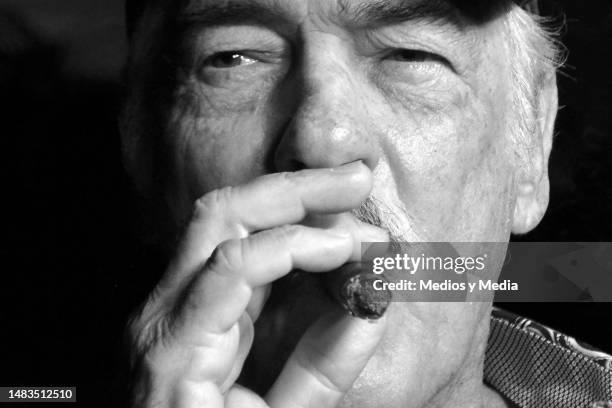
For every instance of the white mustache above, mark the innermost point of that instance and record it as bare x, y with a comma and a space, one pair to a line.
387, 215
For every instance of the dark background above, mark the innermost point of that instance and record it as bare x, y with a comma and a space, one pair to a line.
66, 283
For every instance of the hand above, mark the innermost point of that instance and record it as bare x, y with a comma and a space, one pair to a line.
191, 337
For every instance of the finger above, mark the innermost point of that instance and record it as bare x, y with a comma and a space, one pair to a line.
189, 394
221, 293
241, 397
195, 394
344, 223
326, 362
258, 299
247, 332
362, 233
208, 395
266, 202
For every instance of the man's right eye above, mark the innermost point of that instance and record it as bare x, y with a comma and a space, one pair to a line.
228, 59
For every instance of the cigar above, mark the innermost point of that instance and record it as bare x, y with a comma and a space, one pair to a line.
353, 288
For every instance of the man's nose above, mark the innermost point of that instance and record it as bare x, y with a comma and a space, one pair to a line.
330, 125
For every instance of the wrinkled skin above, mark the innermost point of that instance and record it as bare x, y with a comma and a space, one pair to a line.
318, 91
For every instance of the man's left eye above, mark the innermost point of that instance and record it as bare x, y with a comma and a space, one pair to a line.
228, 59
416, 56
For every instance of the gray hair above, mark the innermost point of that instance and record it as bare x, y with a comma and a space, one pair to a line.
535, 47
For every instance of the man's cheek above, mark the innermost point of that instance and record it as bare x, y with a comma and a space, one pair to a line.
214, 147
230, 150
464, 139
198, 99
449, 165
435, 146
471, 203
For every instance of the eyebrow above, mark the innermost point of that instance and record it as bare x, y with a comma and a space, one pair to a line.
236, 12
385, 12
366, 14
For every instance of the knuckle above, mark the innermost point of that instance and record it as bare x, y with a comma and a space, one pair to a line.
150, 325
140, 319
289, 233
146, 333
229, 256
213, 202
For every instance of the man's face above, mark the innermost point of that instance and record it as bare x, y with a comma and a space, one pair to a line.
281, 85
417, 91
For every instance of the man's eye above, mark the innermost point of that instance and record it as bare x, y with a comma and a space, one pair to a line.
416, 56
228, 59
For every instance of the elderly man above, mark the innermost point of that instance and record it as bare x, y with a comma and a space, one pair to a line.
275, 135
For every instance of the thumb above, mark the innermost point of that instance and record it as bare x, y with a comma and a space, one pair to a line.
326, 362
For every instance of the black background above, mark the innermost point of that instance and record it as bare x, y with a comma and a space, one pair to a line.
66, 284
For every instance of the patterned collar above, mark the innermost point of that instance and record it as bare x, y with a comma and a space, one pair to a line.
534, 366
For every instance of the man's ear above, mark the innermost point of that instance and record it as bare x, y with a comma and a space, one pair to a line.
533, 188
